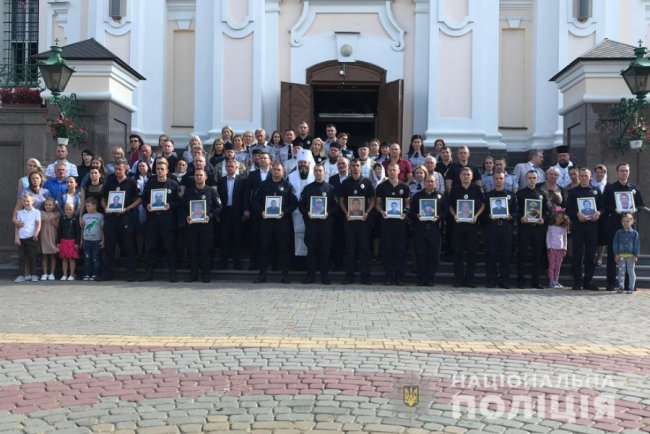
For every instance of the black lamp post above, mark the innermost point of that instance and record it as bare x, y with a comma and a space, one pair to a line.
637, 75
56, 73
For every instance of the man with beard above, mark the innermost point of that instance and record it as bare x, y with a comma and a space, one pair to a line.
332, 159
318, 228
275, 231
299, 179
563, 165
292, 163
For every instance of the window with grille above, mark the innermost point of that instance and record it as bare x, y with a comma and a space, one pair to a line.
20, 42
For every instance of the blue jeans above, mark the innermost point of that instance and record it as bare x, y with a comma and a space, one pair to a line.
92, 258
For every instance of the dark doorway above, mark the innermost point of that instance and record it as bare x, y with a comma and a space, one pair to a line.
353, 96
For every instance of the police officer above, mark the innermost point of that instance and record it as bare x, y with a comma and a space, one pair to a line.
161, 223
359, 192
584, 231
499, 229
393, 226
317, 204
532, 233
251, 209
118, 224
200, 230
427, 227
465, 226
276, 231
613, 216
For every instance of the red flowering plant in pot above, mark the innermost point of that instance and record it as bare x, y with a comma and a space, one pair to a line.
65, 130
20, 95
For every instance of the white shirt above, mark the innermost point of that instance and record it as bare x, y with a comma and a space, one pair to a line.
72, 169
565, 180
29, 219
230, 185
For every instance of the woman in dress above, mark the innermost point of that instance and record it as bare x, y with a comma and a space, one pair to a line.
93, 188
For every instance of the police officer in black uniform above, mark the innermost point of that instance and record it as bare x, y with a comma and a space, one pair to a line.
200, 232
318, 224
161, 223
613, 216
427, 229
118, 225
465, 232
531, 233
276, 231
498, 232
393, 226
357, 232
584, 230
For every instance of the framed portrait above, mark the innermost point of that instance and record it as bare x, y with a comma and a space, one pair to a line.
394, 207
624, 201
465, 210
587, 206
273, 207
116, 201
158, 199
428, 209
533, 210
499, 207
356, 207
198, 212
318, 207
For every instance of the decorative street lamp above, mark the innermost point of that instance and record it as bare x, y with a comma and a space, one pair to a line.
56, 73
637, 75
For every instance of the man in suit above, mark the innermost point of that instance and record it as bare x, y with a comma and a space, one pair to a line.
536, 158
253, 184
338, 218
499, 209
231, 188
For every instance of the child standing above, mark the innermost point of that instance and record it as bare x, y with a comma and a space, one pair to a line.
68, 241
626, 247
49, 227
556, 243
92, 240
28, 227
71, 195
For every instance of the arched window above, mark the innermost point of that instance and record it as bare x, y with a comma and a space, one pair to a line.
582, 10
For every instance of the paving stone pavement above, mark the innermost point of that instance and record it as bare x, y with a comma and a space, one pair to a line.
232, 357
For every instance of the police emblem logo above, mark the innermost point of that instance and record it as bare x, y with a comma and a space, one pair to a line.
633, 191
411, 395
355, 192
401, 191
281, 189
541, 197
324, 194
169, 190
203, 196
508, 197
363, 186
466, 197
117, 188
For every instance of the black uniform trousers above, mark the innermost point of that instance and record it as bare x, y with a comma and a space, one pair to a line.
161, 229
356, 243
199, 244
275, 234
318, 238
230, 234
426, 236
119, 228
533, 236
585, 240
338, 243
393, 248
254, 241
498, 239
465, 248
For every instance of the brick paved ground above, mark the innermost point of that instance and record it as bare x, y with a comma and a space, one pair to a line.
267, 359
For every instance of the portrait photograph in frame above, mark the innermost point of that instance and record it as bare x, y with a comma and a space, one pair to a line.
465, 210
587, 206
115, 201
394, 207
499, 207
158, 199
198, 211
356, 207
533, 210
428, 209
318, 207
624, 201
273, 207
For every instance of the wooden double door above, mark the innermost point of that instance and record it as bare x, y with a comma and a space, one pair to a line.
353, 96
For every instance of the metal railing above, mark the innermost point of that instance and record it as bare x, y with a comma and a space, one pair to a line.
12, 75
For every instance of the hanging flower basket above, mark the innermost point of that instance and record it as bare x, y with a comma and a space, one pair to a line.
64, 130
636, 144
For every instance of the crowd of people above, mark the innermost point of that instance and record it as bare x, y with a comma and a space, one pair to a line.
291, 195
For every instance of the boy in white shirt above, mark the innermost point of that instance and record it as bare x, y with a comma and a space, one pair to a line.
27, 229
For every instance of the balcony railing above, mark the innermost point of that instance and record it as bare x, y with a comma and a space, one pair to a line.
12, 75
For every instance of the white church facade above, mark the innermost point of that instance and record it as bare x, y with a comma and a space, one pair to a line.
473, 72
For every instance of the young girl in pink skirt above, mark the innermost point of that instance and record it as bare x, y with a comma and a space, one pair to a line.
68, 241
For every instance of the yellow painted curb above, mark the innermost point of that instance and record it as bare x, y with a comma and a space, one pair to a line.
325, 343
